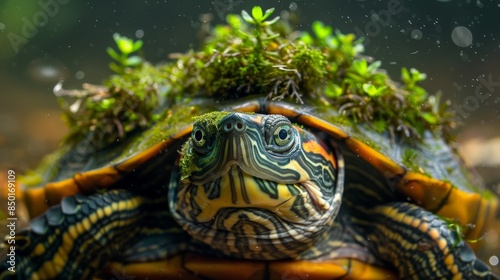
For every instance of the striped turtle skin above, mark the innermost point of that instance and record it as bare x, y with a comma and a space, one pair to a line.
255, 190
255, 186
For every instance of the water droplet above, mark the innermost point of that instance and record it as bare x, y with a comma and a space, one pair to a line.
293, 6
461, 36
493, 260
416, 34
79, 75
139, 33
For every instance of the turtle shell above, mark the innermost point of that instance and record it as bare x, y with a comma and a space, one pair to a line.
429, 174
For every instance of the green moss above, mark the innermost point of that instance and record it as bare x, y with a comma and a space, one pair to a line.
187, 162
410, 160
210, 122
255, 56
170, 122
124, 104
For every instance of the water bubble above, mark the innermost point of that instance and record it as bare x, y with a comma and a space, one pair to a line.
416, 34
461, 36
293, 6
139, 33
493, 260
79, 75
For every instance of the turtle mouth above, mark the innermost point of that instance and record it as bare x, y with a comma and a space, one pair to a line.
294, 202
245, 175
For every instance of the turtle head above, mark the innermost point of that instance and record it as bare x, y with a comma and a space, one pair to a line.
255, 186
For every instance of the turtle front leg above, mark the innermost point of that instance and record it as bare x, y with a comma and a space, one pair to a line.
420, 245
74, 239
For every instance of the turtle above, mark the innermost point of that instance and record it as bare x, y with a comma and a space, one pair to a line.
255, 189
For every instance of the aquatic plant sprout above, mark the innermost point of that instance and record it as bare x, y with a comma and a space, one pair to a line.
126, 46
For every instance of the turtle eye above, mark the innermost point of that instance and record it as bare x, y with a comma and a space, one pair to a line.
279, 134
199, 137
283, 135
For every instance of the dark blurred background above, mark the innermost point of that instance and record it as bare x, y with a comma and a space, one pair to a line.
456, 42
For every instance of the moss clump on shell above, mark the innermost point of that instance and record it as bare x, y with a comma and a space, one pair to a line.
255, 56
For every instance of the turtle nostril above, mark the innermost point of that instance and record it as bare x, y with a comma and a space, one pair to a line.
228, 126
233, 123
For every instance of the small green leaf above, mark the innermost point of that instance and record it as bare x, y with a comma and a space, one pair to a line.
306, 38
333, 90
125, 45
378, 78
270, 22
133, 61
113, 54
243, 33
405, 75
116, 37
321, 30
370, 89
137, 45
115, 68
234, 21
247, 17
257, 14
374, 66
332, 42
417, 76
361, 66
267, 13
